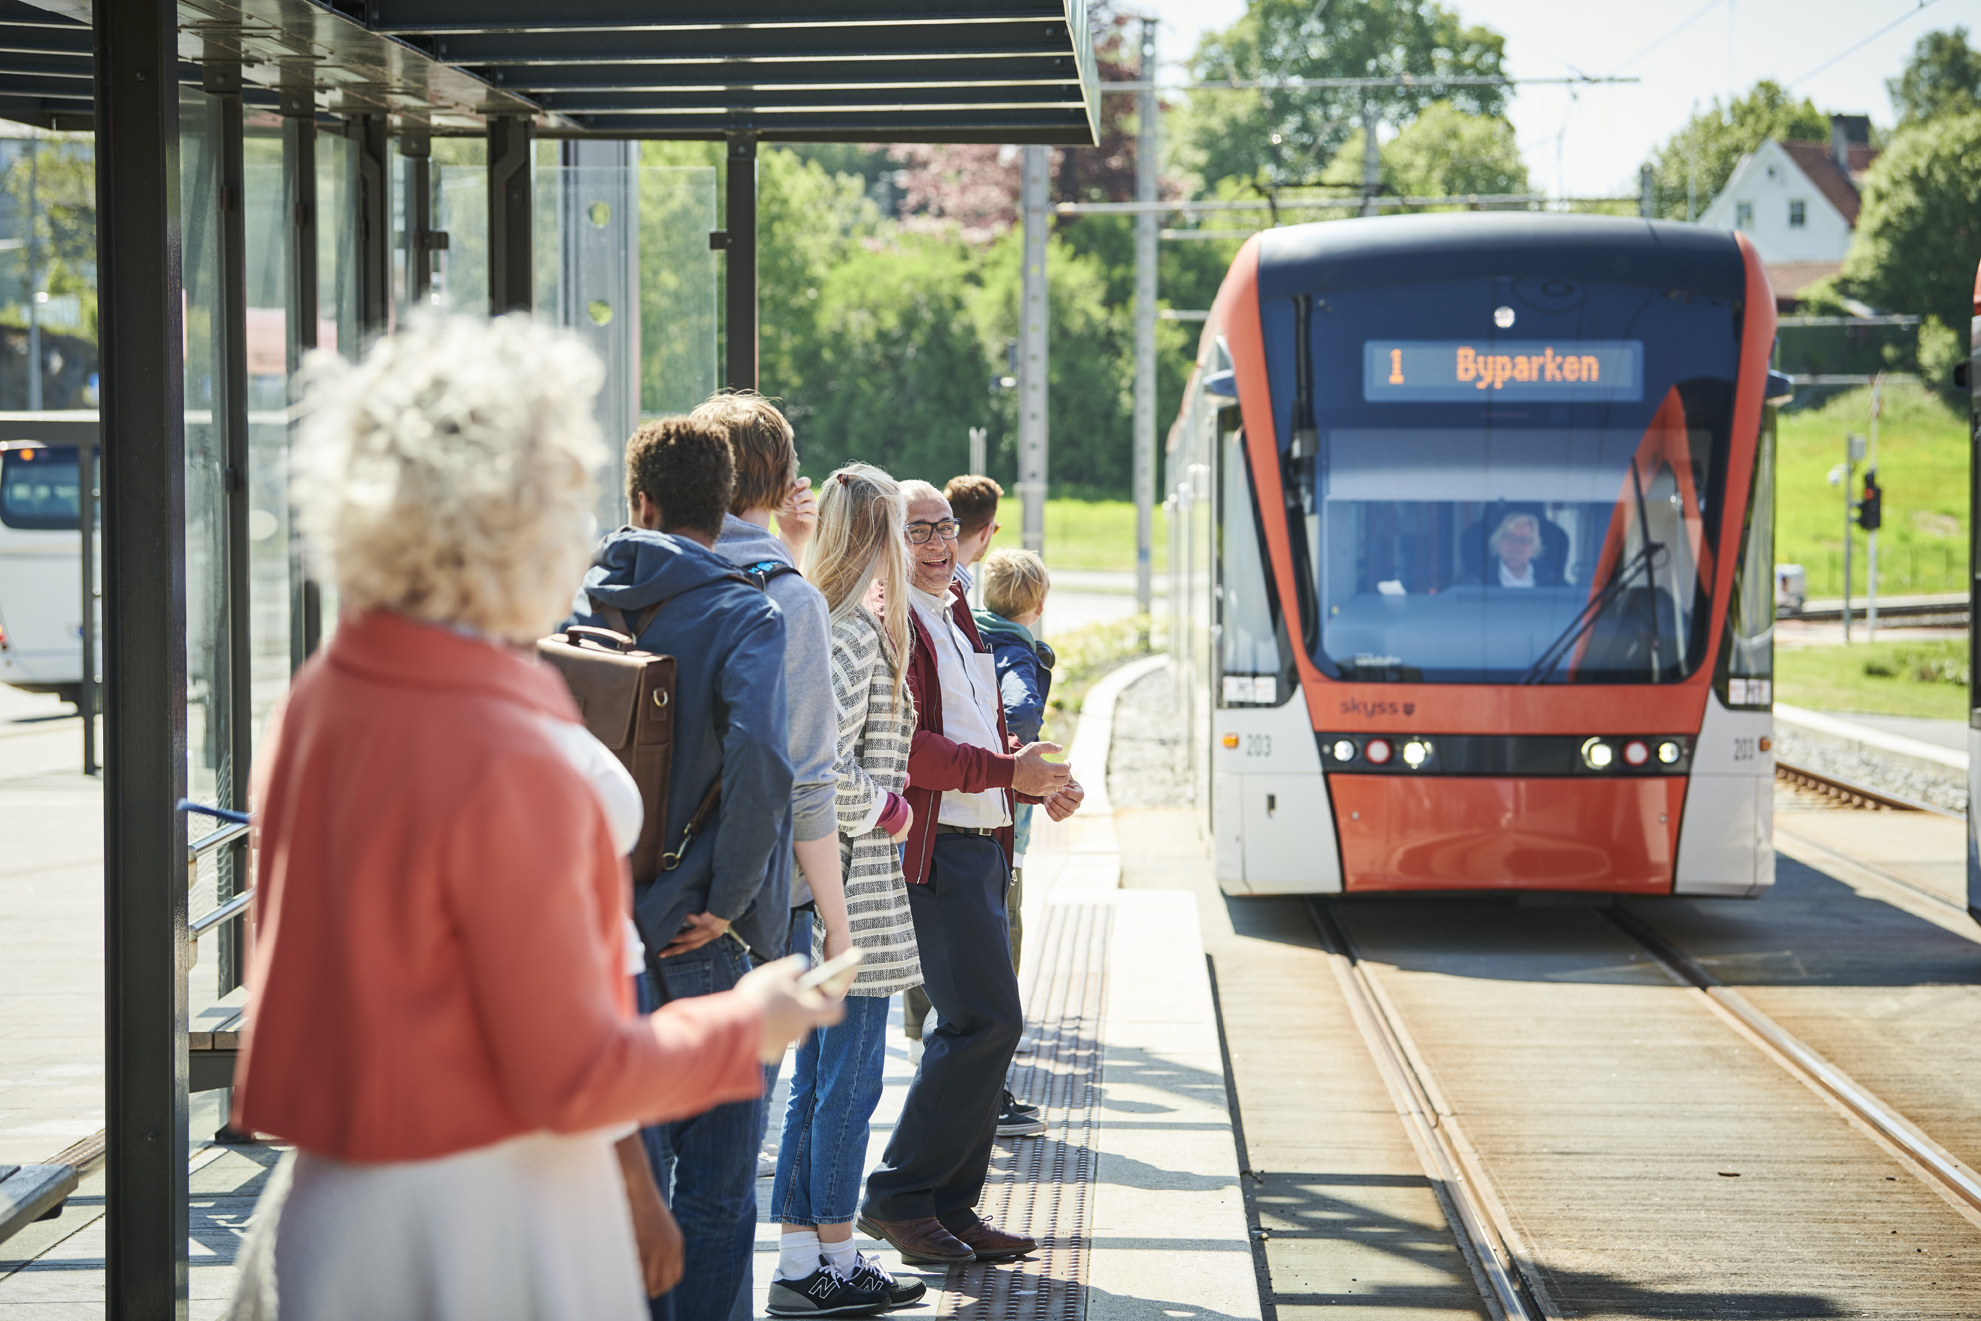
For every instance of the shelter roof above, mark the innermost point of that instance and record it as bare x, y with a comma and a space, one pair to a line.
1013, 71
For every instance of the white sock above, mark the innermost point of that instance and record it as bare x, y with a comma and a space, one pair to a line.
797, 1255
840, 1255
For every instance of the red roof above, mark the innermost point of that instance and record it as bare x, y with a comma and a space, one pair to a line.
1815, 161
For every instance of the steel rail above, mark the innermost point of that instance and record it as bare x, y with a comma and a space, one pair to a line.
1483, 1233
1935, 1166
1836, 787
1877, 872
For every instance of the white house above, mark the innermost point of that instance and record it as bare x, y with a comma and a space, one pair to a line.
1797, 202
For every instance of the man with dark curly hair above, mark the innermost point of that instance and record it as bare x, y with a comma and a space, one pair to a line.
662, 581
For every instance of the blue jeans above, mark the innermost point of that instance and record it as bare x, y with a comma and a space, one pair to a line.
707, 1165
835, 1085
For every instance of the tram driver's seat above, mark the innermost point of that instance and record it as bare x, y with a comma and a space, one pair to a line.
1477, 564
1622, 638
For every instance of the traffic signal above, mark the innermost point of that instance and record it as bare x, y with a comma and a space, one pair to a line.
1871, 510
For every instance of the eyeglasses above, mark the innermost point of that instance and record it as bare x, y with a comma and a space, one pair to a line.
920, 533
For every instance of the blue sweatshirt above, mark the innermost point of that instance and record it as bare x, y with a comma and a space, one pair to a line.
1024, 682
727, 640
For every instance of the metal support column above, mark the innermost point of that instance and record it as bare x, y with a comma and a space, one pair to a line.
221, 80
511, 265
416, 149
1032, 364
1372, 164
144, 488
374, 227
1647, 193
739, 283
299, 194
1147, 165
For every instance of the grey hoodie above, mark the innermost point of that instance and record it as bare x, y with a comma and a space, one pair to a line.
814, 719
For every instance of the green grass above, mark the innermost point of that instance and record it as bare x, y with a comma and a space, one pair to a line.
1086, 534
1922, 465
1880, 678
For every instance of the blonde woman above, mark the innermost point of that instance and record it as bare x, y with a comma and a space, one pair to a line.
822, 1158
443, 1026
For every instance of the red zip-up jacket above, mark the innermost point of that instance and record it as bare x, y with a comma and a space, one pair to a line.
937, 764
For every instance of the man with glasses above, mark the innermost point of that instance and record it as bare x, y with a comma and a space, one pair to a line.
962, 778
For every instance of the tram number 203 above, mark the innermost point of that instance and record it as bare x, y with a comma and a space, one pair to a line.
1744, 749
1258, 745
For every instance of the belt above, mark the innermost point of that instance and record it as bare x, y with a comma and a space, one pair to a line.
944, 828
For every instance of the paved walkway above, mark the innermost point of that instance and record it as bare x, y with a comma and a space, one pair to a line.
1133, 1192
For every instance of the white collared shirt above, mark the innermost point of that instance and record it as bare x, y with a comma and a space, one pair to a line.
970, 703
1507, 578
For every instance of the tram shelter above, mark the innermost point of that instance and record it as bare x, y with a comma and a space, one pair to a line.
275, 176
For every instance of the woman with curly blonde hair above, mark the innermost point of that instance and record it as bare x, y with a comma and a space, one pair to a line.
836, 1082
443, 1025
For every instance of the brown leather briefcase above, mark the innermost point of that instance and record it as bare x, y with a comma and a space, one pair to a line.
626, 697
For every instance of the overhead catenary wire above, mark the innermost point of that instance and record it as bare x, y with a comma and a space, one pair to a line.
1853, 49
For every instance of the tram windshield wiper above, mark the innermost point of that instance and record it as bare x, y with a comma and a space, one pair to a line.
1586, 618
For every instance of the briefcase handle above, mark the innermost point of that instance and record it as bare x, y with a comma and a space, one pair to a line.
605, 637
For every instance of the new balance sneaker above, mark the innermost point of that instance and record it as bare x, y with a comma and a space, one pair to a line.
867, 1273
1012, 1122
824, 1293
1022, 1107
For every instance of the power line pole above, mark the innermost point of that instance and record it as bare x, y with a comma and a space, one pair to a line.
1032, 313
1147, 152
1372, 166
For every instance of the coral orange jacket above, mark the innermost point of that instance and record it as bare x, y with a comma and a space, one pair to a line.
439, 956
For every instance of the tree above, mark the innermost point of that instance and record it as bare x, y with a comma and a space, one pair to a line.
1696, 162
1288, 135
1444, 152
1918, 235
1942, 77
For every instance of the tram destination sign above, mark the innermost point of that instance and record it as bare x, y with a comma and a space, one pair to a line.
1433, 371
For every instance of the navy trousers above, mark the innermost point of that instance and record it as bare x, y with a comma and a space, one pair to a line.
940, 1152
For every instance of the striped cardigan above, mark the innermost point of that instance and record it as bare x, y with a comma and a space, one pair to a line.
874, 731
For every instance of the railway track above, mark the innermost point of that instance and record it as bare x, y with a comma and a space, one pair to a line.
1503, 1264
1852, 793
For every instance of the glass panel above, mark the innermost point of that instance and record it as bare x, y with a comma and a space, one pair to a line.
1751, 622
210, 770
48, 298
268, 286
336, 251
1524, 521
1250, 648
677, 289
460, 210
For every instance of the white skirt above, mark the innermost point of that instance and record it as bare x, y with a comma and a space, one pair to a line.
532, 1229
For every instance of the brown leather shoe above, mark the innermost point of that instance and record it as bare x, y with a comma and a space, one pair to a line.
993, 1244
922, 1241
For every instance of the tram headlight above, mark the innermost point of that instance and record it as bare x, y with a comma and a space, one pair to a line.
1597, 755
1669, 752
1635, 753
1377, 751
1416, 752
1343, 749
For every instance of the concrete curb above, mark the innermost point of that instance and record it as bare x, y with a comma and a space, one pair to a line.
1863, 739
1095, 736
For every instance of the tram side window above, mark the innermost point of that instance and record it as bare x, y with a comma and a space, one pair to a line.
40, 488
1748, 677
1249, 644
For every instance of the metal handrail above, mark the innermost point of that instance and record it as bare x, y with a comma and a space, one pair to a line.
239, 824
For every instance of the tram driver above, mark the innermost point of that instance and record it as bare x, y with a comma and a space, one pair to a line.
1517, 555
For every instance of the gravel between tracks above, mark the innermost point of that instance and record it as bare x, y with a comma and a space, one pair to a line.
1147, 763
1869, 769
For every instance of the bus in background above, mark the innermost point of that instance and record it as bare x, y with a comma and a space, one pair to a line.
1472, 558
41, 597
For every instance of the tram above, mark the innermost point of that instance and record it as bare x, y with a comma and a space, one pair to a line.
1471, 558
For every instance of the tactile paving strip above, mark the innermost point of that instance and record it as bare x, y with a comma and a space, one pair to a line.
1042, 1186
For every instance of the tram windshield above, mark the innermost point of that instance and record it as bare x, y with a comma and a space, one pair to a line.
1538, 503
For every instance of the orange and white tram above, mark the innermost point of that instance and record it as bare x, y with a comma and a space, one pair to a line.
1471, 558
